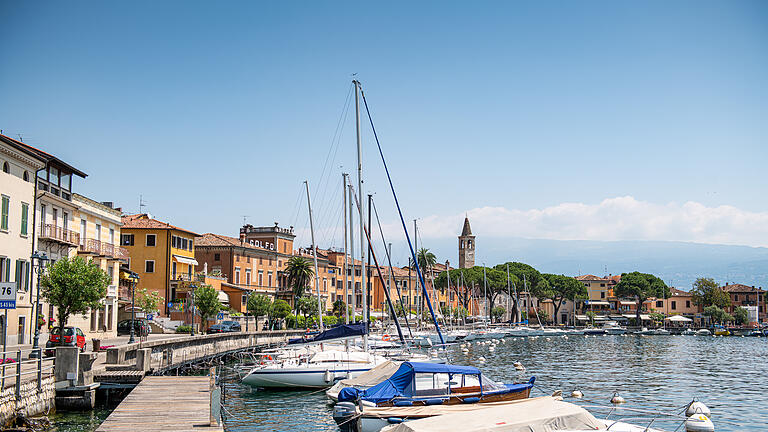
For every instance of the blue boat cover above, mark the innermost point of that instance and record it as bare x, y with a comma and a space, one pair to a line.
340, 331
399, 384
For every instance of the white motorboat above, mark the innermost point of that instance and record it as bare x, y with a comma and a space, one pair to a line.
703, 332
688, 332
614, 328
320, 370
653, 332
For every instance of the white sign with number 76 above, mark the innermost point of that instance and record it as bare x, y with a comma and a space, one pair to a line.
7, 295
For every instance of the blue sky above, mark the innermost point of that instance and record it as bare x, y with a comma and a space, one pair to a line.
529, 116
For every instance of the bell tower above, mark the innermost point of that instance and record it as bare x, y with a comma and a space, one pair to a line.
466, 246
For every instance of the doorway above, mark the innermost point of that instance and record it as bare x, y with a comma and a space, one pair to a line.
22, 324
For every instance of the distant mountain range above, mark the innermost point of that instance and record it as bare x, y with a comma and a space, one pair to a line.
677, 263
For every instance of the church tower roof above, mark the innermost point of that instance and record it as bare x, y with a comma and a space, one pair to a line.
466, 231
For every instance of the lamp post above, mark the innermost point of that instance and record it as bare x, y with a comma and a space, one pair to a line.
247, 299
193, 287
39, 269
134, 278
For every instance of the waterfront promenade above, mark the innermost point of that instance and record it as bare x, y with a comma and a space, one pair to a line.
165, 404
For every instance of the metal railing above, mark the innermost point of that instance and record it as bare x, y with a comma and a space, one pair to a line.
99, 247
50, 231
24, 370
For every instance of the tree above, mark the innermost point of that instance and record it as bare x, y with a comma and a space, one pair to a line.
258, 306
656, 317
279, 309
498, 312
591, 315
339, 308
74, 287
543, 315
307, 305
562, 288
148, 301
300, 273
741, 315
641, 286
706, 292
717, 315
463, 282
207, 302
527, 278
426, 260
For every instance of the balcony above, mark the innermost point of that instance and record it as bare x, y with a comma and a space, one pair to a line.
96, 247
58, 234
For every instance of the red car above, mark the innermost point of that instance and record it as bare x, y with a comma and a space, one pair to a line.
73, 336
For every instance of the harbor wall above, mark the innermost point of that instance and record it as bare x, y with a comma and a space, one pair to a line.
31, 401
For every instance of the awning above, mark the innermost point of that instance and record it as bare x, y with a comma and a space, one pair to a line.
185, 260
643, 317
581, 318
598, 303
223, 297
678, 318
627, 303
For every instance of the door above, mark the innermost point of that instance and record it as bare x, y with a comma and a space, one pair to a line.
22, 325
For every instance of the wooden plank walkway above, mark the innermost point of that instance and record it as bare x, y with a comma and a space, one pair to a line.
164, 404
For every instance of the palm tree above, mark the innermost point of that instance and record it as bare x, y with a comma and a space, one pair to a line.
426, 260
300, 272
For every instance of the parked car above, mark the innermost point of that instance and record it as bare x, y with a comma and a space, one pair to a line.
140, 327
218, 328
73, 336
233, 326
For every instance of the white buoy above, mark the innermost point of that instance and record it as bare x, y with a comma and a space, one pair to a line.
696, 407
549, 339
577, 394
491, 349
519, 366
699, 423
481, 359
616, 399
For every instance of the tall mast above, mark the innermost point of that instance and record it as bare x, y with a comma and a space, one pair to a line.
370, 252
448, 293
344, 265
509, 293
314, 255
362, 221
416, 246
485, 295
352, 255
389, 280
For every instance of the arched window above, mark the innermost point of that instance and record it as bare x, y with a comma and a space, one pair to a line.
26, 176
6, 169
469, 244
462, 243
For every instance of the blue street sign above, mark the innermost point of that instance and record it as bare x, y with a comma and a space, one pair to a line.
220, 316
7, 304
149, 317
170, 305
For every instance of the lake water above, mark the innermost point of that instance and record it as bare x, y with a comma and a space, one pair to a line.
663, 373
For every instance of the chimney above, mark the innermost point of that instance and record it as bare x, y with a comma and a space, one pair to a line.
109, 204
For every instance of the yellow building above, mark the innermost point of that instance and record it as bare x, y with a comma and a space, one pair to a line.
161, 254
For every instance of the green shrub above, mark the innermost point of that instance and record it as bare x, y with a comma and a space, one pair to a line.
184, 329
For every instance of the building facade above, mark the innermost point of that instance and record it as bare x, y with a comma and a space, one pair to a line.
18, 165
747, 297
161, 254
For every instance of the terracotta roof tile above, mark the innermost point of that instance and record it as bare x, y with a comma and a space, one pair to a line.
143, 221
740, 288
590, 277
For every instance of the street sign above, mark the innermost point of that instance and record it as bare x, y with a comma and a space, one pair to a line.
149, 317
220, 316
8, 295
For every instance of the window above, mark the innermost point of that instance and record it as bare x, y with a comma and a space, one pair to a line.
217, 257
602, 294
261, 277
659, 303
5, 271
22, 270
325, 284
151, 239
111, 273
4, 213
244, 299
6, 169
602, 285
24, 218
42, 215
26, 176
735, 297
248, 277
98, 231
191, 247
184, 243
173, 270
173, 241
687, 303
126, 239
112, 236
82, 231
674, 305
149, 266
269, 279
237, 275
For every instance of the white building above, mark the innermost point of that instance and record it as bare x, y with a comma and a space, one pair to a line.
18, 165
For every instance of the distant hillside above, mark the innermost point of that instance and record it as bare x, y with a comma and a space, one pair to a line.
678, 263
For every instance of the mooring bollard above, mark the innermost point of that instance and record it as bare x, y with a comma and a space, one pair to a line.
18, 374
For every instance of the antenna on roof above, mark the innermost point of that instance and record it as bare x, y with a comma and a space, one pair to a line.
142, 204
245, 217
20, 137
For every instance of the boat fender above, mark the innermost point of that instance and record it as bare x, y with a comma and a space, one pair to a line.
394, 420
616, 399
481, 359
385, 338
434, 401
470, 400
699, 423
491, 349
577, 394
403, 403
696, 407
327, 376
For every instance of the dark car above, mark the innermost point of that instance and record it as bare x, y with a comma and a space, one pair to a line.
73, 336
218, 328
140, 327
233, 326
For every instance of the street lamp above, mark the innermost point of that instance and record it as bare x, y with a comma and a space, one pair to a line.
39, 269
134, 278
192, 309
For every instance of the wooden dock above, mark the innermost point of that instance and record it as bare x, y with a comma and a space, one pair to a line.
164, 404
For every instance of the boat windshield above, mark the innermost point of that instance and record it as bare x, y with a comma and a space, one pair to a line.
428, 382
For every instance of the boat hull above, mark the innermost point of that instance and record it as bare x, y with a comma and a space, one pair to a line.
308, 377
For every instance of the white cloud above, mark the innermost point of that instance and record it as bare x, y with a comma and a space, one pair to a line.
620, 218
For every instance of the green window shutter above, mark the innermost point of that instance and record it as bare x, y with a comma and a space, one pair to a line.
26, 279
7, 269
4, 215
19, 267
24, 218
